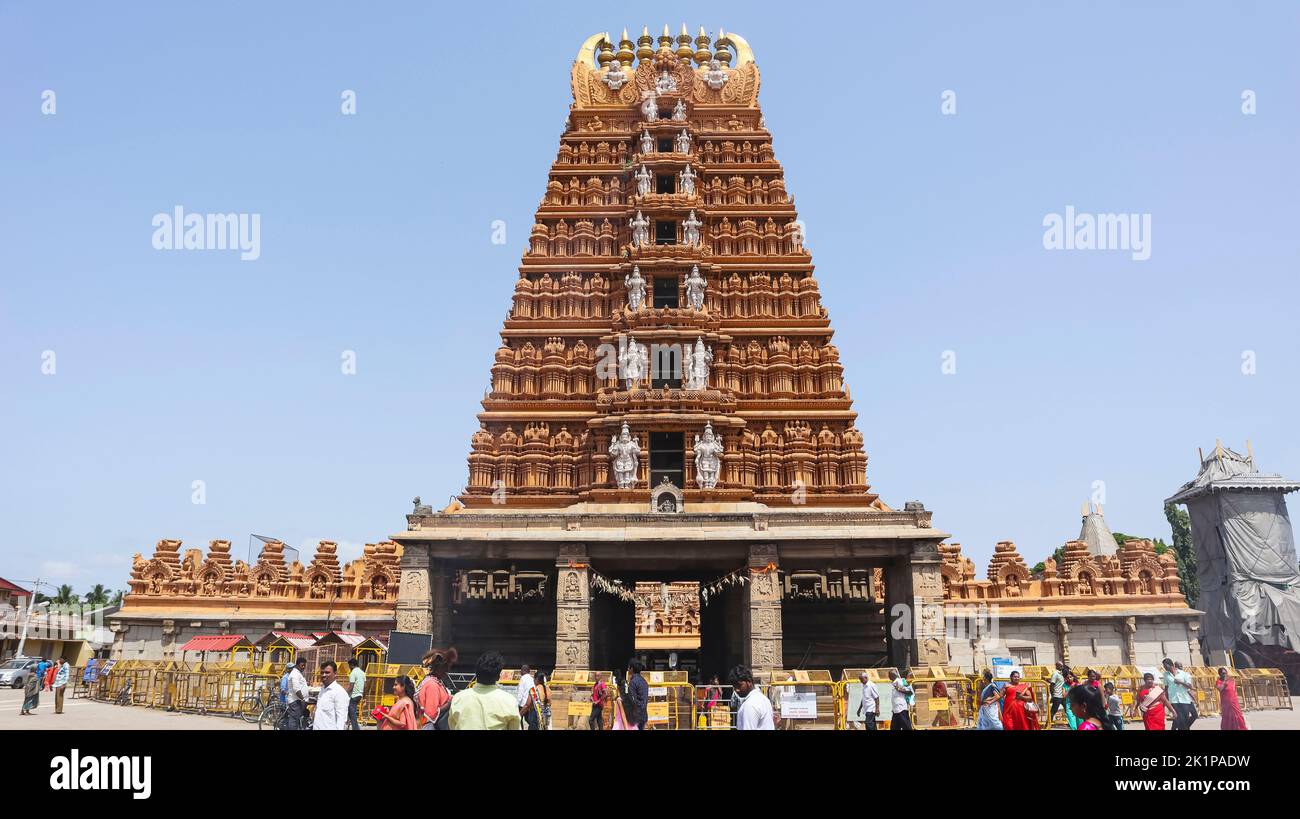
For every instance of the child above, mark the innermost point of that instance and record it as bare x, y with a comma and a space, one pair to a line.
1114, 708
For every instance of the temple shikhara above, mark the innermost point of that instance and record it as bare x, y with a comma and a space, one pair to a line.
668, 462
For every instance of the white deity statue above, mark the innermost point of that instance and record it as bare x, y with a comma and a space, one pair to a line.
692, 229
695, 285
650, 106
679, 111
643, 181
708, 458
633, 362
640, 230
647, 143
715, 76
688, 181
624, 458
635, 285
695, 364
666, 82
616, 77
683, 142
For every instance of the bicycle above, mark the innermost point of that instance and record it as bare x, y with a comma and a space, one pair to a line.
250, 710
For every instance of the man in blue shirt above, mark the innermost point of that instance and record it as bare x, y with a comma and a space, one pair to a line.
638, 691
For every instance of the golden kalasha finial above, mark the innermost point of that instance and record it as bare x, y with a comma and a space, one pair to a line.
666, 39
645, 43
684, 44
626, 54
720, 53
702, 53
606, 51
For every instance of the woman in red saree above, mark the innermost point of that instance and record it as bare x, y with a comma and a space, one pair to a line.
1229, 705
1014, 697
1151, 702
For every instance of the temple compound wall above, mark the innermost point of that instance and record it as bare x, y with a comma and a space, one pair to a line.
1124, 608
174, 597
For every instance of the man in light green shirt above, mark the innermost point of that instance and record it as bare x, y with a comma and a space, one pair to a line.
484, 706
1178, 687
356, 690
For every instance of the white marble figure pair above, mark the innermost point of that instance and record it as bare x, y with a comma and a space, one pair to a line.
625, 458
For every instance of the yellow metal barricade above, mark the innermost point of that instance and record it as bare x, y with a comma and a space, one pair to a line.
571, 705
1204, 689
1127, 680
671, 704
1262, 688
943, 700
803, 700
713, 708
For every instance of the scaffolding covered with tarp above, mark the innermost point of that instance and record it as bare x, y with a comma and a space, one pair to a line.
1245, 553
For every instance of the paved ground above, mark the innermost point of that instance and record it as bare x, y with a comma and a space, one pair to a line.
89, 715
82, 715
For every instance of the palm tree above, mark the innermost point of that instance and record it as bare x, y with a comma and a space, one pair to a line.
117, 598
98, 596
65, 595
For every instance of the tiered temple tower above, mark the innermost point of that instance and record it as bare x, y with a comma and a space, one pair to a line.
666, 366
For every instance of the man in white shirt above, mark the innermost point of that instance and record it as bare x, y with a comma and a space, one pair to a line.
297, 713
524, 698
901, 719
869, 707
755, 712
332, 704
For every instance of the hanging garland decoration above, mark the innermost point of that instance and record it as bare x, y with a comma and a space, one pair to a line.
603, 585
738, 577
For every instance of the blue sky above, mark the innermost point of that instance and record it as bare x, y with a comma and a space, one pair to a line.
926, 229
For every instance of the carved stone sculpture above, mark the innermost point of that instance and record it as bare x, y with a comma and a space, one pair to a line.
635, 285
625, 458
650, 106
647, 143
692, 230
683, 142
695, 287
715, 77
633, 363
679, 111
616, 77
696, 365
640, 230
688, 181
708, 458
643, 181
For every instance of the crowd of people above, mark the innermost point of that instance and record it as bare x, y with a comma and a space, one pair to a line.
1091, 705
622, 703
49, 675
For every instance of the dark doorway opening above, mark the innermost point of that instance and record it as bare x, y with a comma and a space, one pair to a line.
667, 458
665, 371
666, 291
665, 145
665, 183
665, 232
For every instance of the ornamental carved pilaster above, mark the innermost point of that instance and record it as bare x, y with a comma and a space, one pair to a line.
763, 613
572, 608
414, 609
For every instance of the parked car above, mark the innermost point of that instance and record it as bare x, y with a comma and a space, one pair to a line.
15, 672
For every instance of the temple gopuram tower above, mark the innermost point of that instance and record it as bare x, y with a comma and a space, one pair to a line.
667, 408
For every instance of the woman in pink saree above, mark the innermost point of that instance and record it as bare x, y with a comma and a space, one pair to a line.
1229, 705
620, 721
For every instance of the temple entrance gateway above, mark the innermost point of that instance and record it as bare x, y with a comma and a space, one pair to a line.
708, 495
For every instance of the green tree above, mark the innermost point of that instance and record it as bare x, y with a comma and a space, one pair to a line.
117, 598
1037, 571
65, 595
1184, 551
97, 596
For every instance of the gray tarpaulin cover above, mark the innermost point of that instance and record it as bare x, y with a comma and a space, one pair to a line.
1245, 553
